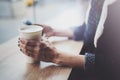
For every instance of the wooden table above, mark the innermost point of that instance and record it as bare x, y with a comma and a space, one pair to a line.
13, 64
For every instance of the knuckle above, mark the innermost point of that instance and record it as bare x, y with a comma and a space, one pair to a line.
27, 42
37, 49
25, 51
38, 43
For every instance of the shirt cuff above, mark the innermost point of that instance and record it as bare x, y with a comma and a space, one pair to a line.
89, 62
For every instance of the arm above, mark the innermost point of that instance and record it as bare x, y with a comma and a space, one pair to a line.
70, 60
64, 33
86, 62
44, 51
71, 33
49, 31
92, 22
76, 33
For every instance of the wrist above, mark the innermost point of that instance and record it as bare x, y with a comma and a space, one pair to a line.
57, 58
54, 32
70, 60
61, 58
71, 34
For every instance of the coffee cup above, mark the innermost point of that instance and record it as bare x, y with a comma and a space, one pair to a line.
31, 32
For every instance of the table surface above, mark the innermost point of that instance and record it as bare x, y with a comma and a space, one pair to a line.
13, 64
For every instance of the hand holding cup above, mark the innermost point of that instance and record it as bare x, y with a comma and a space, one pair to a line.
39, 50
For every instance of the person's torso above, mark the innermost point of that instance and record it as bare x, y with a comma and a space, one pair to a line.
108, 51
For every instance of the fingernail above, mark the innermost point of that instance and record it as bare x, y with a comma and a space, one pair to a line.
20, 49
18, 45
18, 41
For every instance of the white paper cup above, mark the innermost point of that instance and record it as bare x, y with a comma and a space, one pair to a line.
31, 32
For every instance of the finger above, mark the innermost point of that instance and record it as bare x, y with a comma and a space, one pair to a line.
30, 54
49, 34
42, 25
31, 42
21, 45
23, 41
27, 52
45, 27
47, 43
29, 48
32, 49
43, 45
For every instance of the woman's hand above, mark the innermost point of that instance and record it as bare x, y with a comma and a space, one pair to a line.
43, 51
49, 31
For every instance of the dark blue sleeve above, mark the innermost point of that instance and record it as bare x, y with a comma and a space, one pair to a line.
78, 32
92, 20
87, 31
90, 30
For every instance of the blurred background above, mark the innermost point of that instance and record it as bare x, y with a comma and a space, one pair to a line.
56, 13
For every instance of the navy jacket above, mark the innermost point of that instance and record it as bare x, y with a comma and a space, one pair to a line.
107, 61
87, 31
